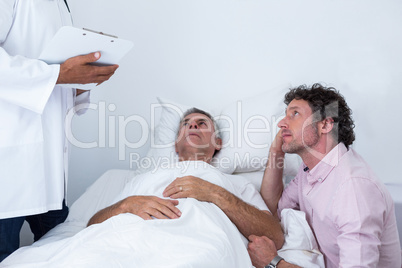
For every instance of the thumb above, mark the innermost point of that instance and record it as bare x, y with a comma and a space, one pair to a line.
251, 238
92, 57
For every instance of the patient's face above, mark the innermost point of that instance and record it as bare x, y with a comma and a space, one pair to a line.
196, 135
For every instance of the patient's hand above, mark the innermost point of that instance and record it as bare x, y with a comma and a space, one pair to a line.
145, 207
150, 206
247, 218
262, 250
194, 187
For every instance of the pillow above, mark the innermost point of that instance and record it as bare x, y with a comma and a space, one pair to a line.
300, 246
247, 130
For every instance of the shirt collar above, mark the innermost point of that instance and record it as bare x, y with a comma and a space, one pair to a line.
320, 172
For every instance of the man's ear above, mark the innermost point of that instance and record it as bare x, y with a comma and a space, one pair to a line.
327, 125
175, 147
218, 144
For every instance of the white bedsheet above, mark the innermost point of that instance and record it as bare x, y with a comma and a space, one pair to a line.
202, 237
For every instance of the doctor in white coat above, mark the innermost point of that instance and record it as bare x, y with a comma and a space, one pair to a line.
33, 106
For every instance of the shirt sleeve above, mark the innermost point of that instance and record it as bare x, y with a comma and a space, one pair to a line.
24, 82
358, 212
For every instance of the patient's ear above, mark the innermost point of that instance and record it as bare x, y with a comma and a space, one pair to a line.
218, 144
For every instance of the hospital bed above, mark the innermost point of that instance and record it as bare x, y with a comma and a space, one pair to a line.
246, 160
58, 247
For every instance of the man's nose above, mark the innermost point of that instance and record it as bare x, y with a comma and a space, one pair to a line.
193, 125
283, 123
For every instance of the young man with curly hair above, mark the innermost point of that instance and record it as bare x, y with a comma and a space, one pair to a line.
349, 210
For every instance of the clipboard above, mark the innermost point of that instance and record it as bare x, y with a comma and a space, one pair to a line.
70, 42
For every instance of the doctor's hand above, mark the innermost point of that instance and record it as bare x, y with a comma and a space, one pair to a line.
194, 187
78, 70
147, 207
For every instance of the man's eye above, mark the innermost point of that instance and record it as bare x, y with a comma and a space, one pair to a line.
293, 114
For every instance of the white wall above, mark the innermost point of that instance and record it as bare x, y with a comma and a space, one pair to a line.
217, 51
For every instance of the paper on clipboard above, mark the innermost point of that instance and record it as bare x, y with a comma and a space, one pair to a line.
70, 42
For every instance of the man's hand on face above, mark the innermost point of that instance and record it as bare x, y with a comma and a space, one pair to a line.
276, 146
147, 207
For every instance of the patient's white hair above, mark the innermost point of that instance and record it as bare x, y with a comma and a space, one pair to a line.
198, 111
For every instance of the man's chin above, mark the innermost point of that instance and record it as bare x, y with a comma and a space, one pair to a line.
287, 149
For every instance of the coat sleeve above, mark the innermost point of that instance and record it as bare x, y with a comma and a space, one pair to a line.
24, 82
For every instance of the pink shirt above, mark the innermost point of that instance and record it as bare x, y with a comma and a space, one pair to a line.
350, 211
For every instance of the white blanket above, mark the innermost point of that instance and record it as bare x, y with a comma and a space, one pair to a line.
202, 237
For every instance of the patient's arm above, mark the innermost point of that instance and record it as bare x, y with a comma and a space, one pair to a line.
262, 251
145, 207
248, 219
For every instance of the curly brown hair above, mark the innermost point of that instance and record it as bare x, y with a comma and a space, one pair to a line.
327, 102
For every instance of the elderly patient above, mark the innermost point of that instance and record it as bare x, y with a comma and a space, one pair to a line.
186, 215
197, 141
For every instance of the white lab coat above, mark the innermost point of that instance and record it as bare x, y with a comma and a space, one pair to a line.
33, 148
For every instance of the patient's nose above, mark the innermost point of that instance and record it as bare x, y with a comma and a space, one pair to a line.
193, 125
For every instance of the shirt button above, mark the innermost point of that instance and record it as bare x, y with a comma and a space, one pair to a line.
320, 180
